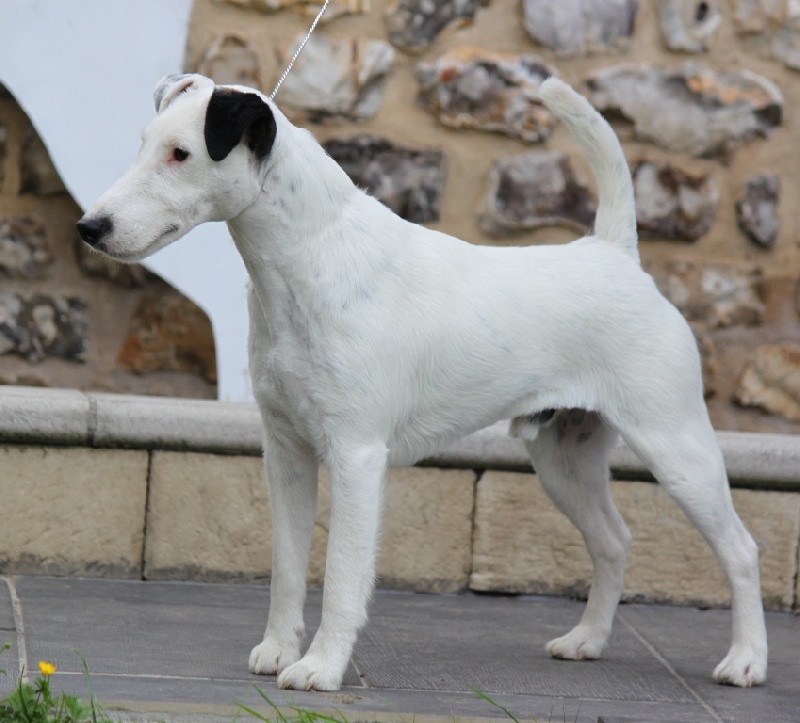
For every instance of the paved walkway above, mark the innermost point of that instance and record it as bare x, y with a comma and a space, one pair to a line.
178, 652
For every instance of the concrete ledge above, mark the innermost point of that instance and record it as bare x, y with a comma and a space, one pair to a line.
65, 417
47, 416
31, 415
176, 424
764, 461
99, 484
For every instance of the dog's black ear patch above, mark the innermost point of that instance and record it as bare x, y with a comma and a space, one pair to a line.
233, 117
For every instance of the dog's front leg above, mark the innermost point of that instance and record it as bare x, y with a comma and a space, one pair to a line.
357, 479
292, 476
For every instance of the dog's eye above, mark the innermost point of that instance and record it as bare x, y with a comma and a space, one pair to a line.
179, 154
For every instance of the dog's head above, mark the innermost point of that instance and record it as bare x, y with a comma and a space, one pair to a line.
201, 160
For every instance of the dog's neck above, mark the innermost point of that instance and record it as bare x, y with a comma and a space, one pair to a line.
297, 235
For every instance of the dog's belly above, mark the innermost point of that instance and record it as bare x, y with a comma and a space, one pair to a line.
414, 444
431, 429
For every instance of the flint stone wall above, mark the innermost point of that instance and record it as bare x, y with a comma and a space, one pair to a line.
701, 93
66, 314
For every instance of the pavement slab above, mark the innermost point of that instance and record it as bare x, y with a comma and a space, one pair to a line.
496, 644
126, 627
695, 641
172, 651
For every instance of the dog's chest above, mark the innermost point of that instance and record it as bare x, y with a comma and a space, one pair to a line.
283, 384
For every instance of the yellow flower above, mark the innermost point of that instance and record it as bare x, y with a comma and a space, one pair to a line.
46, 668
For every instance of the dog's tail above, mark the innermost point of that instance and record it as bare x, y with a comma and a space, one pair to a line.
616, 215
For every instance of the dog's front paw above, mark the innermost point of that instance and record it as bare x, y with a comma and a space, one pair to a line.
581, 643
270, 657
310, 673
742, 667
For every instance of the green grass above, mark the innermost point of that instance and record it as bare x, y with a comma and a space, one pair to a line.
299, 715
34, 702
305, 715
514, 718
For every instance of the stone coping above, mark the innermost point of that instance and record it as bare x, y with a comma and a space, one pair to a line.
37, 416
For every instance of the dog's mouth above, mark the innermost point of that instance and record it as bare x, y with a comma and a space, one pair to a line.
171, 229
137, 256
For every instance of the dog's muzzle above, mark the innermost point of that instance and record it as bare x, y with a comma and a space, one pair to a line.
93, 229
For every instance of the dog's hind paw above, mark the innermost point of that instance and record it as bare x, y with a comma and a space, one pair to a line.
581, 643
742, 667
270, 657
310, 673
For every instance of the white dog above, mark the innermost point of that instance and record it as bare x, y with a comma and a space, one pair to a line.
375, 341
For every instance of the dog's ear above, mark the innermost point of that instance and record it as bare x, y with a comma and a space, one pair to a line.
171, 86
234, 116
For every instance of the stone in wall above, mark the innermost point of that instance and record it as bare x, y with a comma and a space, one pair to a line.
771, 381
91, 263
231, 60
486, 90
37, 173
673, 204
337, 77
337, 8
571, 27
717, 295
689, 25
537, 188
773, 25
308, 8
689, 109
167, 332
24, 251
42, 326
416, 24
407, 180
757, 209
754, 16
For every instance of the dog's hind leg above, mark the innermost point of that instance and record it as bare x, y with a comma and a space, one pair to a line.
688, 463
570, 456
292, 477
357, 478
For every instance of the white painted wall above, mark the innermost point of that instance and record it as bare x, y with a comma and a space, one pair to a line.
84, 72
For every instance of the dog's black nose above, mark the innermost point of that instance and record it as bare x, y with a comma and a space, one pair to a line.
92, 230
